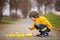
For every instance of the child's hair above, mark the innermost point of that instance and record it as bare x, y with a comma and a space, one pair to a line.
34, 14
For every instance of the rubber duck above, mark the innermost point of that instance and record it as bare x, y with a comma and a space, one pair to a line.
10, 35
7, 35
17, 34
29, 35
22, 34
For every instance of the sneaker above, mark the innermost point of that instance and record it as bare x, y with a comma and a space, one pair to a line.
45, 35
42, 35
39, 35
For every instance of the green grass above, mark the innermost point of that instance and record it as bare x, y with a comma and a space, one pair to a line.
7, 20
54, 19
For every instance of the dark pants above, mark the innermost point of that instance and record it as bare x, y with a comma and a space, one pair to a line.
40, 27
44, 32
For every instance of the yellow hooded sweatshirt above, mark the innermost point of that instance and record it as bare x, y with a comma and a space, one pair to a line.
43, 21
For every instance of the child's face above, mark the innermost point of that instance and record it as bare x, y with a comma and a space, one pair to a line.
32, 18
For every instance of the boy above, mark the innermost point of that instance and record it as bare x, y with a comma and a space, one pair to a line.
40, 23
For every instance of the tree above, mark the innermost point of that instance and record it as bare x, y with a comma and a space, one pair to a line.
57, 4
25, 6
13, 5
1, 7
46, 3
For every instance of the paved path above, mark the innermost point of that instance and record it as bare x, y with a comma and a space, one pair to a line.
22, 26
57, 13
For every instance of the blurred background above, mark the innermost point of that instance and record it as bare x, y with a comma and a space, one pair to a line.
12, 10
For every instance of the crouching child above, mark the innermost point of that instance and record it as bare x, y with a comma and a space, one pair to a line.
40, 23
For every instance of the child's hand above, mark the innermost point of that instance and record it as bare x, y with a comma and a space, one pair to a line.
30, 28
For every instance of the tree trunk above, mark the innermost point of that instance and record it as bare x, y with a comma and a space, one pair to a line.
0, 13
25, 13
16, 13
45, 10
10, 8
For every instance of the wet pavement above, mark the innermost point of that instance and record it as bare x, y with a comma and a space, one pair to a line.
22, 26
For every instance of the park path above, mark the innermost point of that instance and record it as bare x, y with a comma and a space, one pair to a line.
57, 13
22, 26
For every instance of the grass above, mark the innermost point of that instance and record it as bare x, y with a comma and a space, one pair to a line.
54, 19
7, 20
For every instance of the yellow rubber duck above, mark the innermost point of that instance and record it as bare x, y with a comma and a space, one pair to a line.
19, 34
10, 35
29, 35
7, 35
22, 34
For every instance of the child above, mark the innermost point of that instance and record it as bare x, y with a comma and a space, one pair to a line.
40, 23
